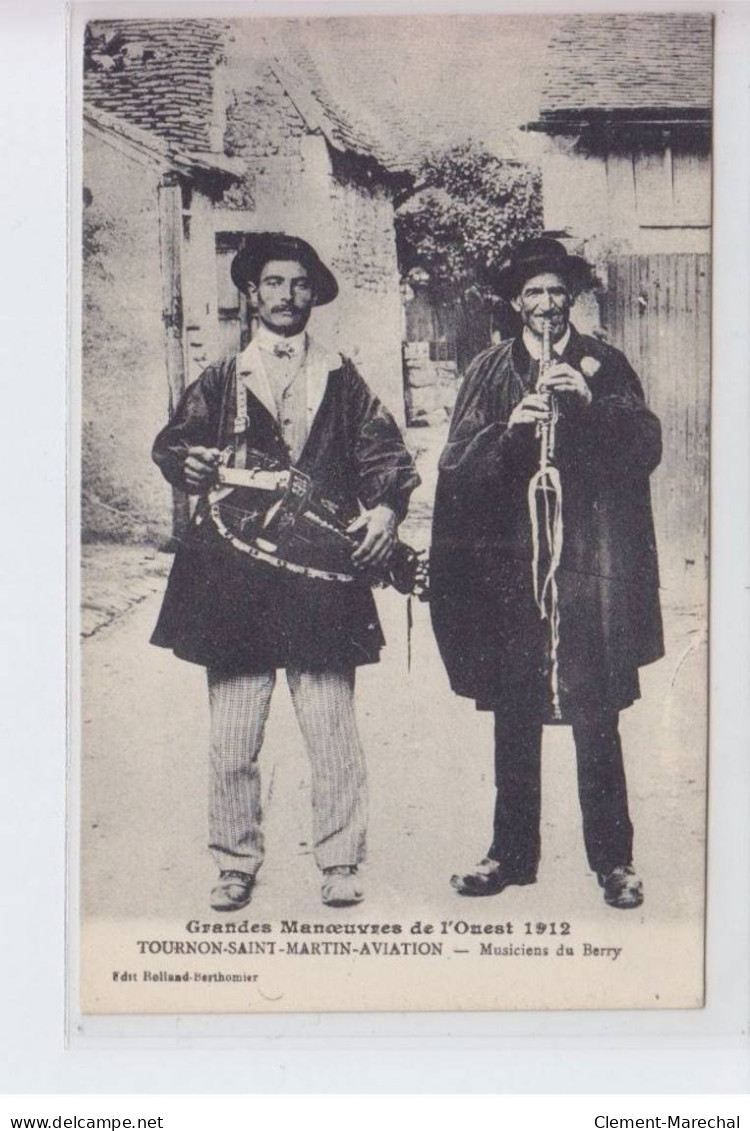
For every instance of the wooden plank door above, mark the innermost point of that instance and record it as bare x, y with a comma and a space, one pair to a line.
235, 328
657, 311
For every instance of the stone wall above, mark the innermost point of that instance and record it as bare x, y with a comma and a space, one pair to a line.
125, 395
431, 386
262, 121
369, 317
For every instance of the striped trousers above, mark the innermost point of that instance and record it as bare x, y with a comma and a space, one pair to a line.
324, 706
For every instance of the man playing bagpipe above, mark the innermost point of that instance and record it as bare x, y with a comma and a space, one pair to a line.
543, 570
303, 478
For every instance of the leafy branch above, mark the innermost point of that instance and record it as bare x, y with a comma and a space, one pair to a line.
468, 209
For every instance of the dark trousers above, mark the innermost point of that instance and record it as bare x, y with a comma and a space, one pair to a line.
607, 831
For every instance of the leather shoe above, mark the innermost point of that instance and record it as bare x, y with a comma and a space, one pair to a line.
342, 886
233, 891
489, 878
622, 888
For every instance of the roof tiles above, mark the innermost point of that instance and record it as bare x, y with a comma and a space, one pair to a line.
611, 63
159, 74
156, 73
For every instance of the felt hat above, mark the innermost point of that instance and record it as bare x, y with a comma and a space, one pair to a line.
538, 257
258, 248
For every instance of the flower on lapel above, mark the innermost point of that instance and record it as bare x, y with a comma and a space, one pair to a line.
590, 366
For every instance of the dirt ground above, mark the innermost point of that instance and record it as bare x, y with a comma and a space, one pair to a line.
144, 727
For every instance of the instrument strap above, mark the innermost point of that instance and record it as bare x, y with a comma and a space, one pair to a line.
241, 420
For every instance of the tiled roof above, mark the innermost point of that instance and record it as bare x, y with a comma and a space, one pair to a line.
649, 64
157, 74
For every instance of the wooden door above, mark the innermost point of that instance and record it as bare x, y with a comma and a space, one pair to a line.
657, 311
234, 316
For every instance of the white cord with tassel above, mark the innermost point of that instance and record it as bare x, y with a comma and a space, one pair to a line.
545, 494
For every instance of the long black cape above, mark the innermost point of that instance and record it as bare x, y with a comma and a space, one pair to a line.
493, 642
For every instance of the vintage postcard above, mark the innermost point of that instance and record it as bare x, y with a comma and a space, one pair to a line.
394, 405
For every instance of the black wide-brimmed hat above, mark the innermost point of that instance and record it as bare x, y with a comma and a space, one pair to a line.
258, 248
538, 257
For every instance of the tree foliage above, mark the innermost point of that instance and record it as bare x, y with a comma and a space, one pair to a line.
469, 208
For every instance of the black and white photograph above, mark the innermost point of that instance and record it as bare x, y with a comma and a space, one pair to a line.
393, 398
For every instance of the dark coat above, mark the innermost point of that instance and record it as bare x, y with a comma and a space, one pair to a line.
489, 631
226, 610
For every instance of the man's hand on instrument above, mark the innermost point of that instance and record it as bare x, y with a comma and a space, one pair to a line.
563, 378
533, 409
379, 525
199, 468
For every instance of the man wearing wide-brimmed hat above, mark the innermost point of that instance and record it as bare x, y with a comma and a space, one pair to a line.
578, 664
296, 404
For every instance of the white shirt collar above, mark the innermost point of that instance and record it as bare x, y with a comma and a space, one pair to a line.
292, 346
534, 346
